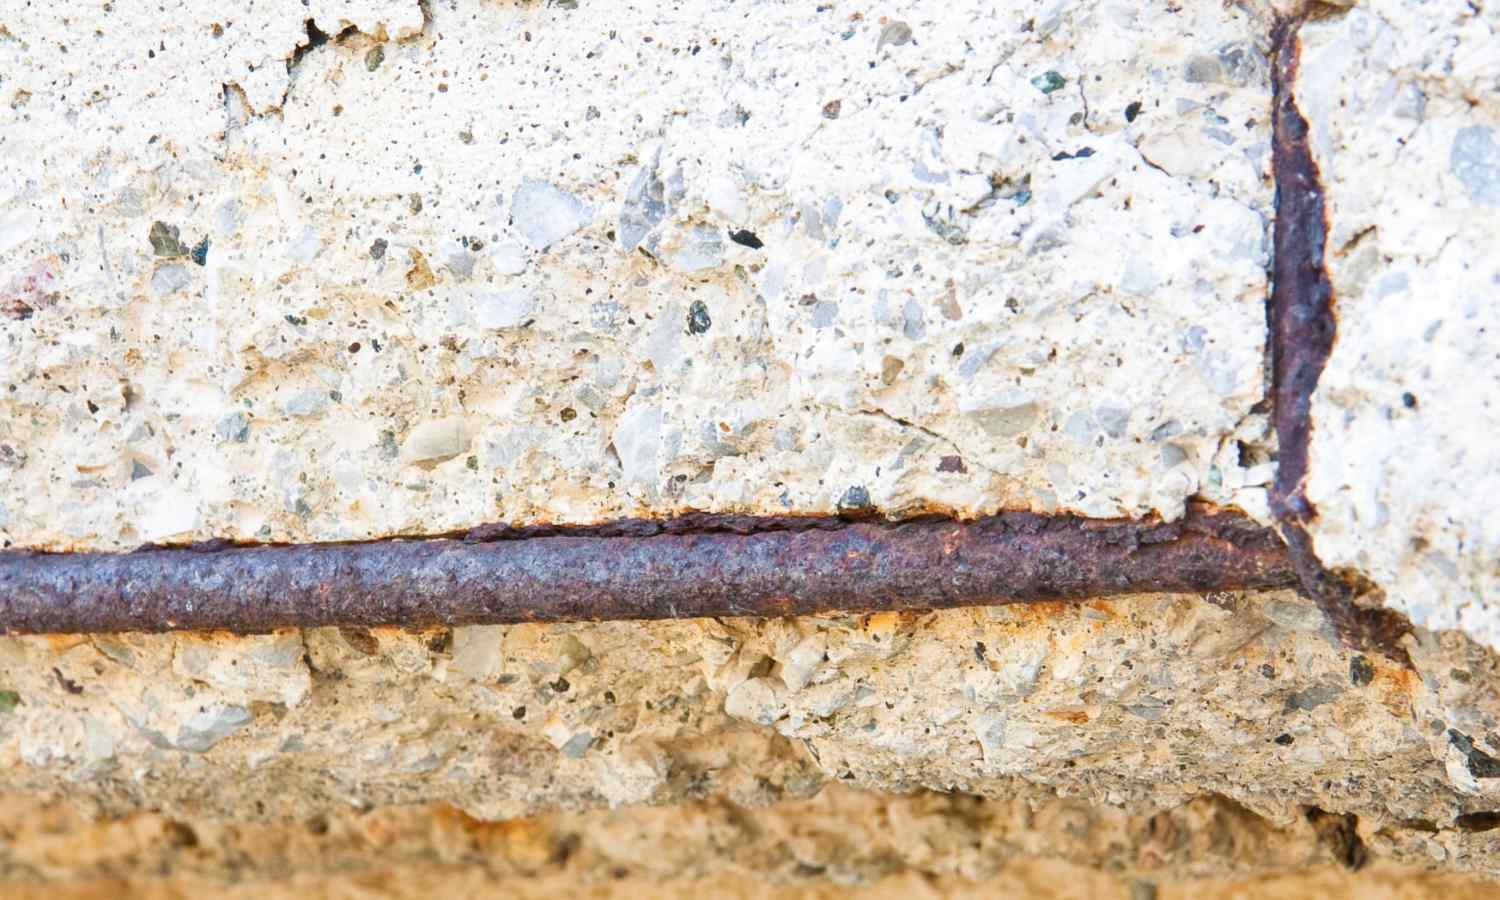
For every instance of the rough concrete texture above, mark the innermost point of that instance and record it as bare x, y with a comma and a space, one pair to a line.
506, 267
371, 268
1404, 104
842, 842
1022, 879
1147, 702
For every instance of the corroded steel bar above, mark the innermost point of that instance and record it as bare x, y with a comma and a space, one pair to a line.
1301, 315
698, 566
1303, 323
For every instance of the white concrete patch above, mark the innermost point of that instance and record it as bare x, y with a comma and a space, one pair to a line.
1405, 468
708, 256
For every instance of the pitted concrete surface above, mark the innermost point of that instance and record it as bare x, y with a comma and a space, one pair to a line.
378, 267
1146, 702
1404, 105
531, 262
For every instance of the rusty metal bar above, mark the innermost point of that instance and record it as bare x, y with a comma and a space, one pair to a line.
708, 565
1303, 323
697, 566
1301, 316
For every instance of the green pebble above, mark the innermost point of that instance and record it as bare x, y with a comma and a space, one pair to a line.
1048, 81
9, 700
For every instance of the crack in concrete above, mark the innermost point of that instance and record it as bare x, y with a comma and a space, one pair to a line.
631, 579
237, 104
1302, 324
967, 457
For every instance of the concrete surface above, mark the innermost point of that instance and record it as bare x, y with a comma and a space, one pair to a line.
485, 269
380, 267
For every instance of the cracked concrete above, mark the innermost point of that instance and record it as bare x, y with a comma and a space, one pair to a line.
354, 269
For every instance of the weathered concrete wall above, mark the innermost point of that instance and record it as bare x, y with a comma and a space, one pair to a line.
488, 271
360, 269
1147, 702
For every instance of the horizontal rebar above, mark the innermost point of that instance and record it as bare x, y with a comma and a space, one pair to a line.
698, 566
707, 565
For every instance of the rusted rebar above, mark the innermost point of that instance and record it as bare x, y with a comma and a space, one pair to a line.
699, 566
1303, 322
1301, 315
707, 565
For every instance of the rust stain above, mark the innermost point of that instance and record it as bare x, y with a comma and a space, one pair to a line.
1394, 688
218, 636
691, 567
1034, 615
1303, 325
62, 643
419, 277
526, 842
